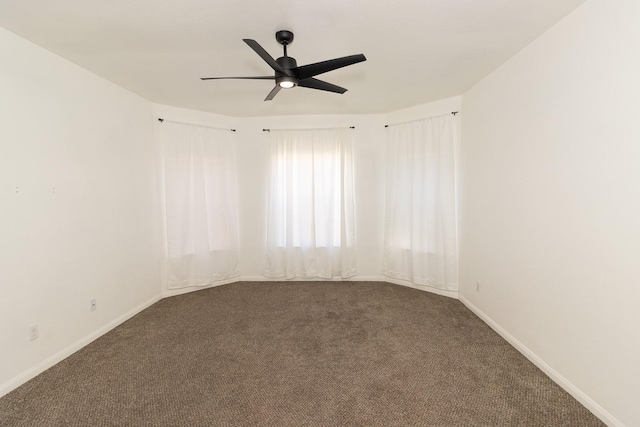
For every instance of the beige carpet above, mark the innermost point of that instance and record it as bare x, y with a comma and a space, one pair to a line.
297, 354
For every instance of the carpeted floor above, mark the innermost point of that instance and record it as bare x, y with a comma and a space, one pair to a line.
297, 354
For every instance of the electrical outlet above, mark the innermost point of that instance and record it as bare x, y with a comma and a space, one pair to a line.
33, 332
93, 305
477, 286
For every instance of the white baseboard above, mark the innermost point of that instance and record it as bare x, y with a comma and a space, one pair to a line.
315, 279
22, 378
380, 278
442, 292
574, 391
179, 291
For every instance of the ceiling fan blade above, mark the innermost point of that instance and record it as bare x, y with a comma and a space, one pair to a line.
264, 55
273, 93
242, 78
306, 71
321, 85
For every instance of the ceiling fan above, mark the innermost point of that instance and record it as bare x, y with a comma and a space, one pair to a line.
287, 72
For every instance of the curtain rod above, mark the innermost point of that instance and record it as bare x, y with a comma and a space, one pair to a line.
269, 130
453, 113
161, 120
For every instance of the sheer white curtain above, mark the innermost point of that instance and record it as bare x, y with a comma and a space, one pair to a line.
200, 204
420, 220
310, 229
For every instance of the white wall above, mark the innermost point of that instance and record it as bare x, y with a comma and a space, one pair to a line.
78, 202
551, 204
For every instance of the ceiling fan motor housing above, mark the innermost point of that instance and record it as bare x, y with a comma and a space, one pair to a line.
287, 63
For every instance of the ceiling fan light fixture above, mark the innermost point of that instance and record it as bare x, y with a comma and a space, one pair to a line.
287, 82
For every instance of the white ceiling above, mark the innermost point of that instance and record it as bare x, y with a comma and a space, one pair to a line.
417, 50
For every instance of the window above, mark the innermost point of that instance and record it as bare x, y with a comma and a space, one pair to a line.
310, 223
200, 204
420, 219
